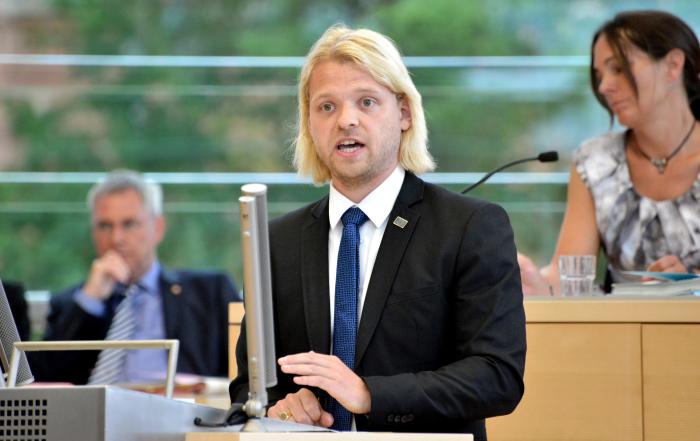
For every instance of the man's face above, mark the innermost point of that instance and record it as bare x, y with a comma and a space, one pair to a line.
121, 222
356, 125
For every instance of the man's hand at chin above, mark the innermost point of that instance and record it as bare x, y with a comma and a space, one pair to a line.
106, 271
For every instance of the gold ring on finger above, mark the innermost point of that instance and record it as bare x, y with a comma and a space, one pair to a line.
286, 415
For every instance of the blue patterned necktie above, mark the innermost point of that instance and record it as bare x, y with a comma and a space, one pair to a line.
346, 292
109, 368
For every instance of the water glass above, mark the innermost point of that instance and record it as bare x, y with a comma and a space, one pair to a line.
577, 274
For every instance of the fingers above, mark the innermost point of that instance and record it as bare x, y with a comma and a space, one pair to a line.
116, 266
329, 373
307, 404
310, 357
326, 419
525, 262
310, 364
296, 409
532, 281
286, 406
104, 273
301, 407
668, 264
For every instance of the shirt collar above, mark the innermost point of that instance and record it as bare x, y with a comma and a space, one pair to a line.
377, 205
149, 281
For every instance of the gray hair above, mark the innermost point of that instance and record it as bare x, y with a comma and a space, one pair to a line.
121, 180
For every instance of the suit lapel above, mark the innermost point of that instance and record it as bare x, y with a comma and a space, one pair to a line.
389, 256
314, 277
170, 291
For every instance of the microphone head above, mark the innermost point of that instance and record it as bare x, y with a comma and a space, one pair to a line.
551, 156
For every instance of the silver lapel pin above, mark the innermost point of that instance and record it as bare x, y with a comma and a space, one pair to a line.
400, 222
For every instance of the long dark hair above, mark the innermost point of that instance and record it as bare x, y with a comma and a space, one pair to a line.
656, 33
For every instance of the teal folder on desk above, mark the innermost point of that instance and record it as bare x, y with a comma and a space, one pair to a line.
672, 284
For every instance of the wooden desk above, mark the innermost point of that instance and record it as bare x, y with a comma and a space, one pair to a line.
605, 368
326, 436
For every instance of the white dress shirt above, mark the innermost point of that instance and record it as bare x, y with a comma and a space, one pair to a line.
377, 205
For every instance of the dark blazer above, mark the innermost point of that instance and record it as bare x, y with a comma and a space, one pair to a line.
441, 339
195, 307
19, 308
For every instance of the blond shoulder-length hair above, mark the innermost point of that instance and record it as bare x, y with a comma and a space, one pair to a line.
380, 57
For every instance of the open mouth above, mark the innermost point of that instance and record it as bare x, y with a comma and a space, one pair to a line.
349, 146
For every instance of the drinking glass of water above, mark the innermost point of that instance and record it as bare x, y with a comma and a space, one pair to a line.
576, 275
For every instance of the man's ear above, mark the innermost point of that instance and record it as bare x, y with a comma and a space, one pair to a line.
674, 61
160, 228
406, 119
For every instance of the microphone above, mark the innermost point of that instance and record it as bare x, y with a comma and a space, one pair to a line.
8, 337
551, 156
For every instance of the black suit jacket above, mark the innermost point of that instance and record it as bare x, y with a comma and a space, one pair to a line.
441, 339
19, 308
195, 307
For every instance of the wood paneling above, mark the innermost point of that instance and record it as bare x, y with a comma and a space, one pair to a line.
671, 369
582, 382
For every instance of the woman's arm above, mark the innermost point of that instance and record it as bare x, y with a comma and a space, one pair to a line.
578, 236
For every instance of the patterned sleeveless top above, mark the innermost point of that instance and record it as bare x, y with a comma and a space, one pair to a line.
635, 230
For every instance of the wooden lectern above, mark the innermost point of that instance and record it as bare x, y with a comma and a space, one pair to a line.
598, 368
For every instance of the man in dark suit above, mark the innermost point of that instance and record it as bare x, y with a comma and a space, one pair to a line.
127, 227
439, 342
19, 308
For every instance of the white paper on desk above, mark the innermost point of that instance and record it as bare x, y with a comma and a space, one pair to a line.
658, 288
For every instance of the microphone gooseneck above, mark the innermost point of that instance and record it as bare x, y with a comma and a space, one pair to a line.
550, 156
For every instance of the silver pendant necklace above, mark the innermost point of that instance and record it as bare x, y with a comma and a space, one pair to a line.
661, 163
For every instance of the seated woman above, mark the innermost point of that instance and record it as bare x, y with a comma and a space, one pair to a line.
636, 193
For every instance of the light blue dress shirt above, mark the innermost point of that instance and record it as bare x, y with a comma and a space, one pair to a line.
144, 365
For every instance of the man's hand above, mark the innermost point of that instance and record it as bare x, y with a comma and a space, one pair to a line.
531, 278
106, 271
668, 264
301, 407
329, 373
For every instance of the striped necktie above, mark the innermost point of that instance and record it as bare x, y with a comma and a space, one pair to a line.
345, 314
109, 368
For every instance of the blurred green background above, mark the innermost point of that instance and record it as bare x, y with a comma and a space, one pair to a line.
159, 103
